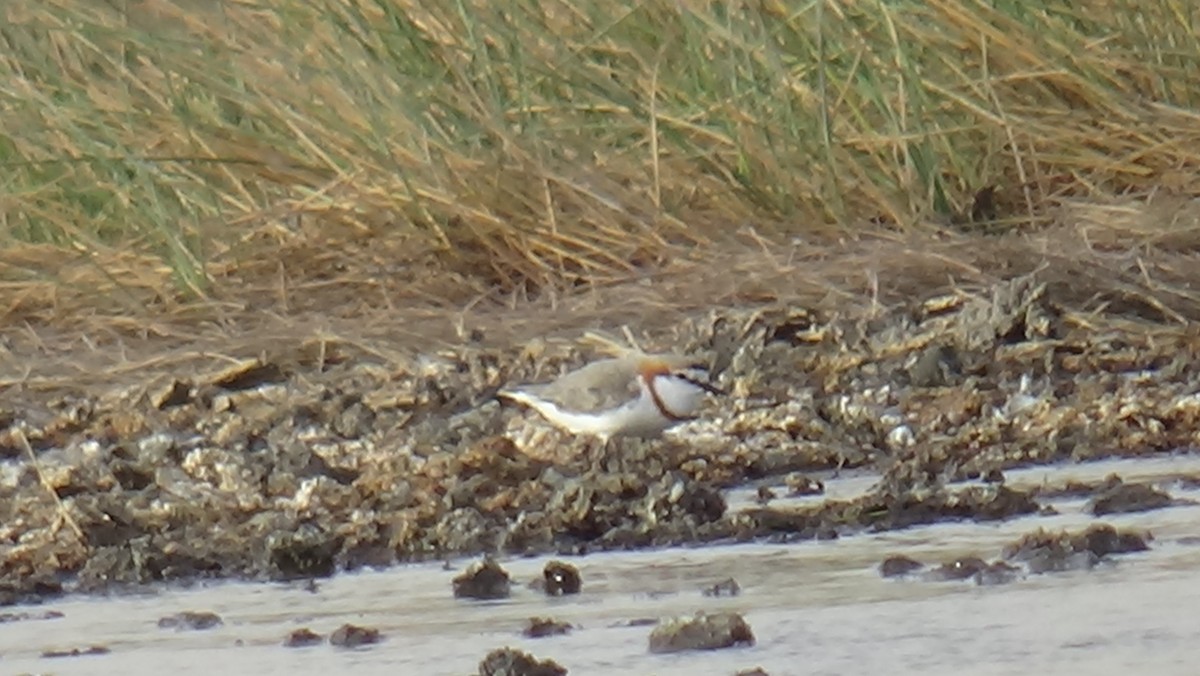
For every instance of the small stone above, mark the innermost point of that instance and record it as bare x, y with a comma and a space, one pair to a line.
484, 580
190, 620
544, 626
765, 495
755, 671
702, 632
895, 566
561, 578
510, 662
302, 637
352, 636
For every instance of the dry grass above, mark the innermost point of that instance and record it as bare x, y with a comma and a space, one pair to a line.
1116, 269
176, 169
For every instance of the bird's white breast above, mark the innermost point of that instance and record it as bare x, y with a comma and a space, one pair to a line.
681, 398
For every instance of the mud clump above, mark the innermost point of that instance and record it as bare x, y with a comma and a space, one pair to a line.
510, 662
887, 508
1123, 498
302, 638
484, 580
1038, 552
702, 632
958, 569
560, 579
306, 553
1045, 552
1113, 495
191, 620
27, 616
799, 485
30, 587
353, 636
899, 565
726, 587
997, 573
1102, 540
964, 568
78, 652
540, 627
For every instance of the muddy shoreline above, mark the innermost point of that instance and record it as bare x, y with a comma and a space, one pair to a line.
281, 470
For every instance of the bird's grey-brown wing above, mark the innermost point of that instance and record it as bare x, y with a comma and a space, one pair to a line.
599, 386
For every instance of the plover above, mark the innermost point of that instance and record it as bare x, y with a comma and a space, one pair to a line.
635, 395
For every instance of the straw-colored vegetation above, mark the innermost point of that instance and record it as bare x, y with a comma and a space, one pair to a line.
246, 154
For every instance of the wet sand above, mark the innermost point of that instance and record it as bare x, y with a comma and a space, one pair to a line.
816, 607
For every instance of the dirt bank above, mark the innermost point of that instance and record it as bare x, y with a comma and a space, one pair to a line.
301, 452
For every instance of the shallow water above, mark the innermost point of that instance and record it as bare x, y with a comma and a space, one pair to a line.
815, 608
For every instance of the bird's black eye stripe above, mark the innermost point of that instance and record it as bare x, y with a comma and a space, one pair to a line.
702, 384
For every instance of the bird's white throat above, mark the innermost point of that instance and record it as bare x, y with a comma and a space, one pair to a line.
678, 396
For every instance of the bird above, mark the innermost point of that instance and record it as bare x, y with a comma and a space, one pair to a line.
632, 395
